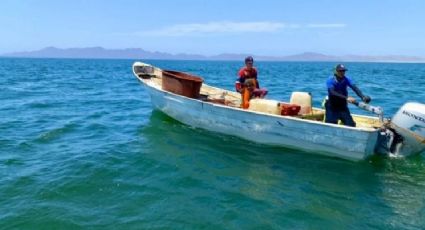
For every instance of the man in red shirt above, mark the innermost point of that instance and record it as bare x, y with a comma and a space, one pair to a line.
249, 74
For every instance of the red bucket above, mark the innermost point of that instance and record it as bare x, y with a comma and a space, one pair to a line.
181, 83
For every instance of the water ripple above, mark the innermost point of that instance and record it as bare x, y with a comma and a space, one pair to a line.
81, 147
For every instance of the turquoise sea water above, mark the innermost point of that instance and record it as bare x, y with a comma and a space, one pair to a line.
81, 147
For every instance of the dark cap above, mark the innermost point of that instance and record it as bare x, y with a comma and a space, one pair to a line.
249, 59
340, 67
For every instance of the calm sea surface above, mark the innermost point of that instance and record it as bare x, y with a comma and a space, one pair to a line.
81, 147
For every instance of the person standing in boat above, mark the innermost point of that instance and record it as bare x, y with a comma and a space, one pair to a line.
247, 74
336, 104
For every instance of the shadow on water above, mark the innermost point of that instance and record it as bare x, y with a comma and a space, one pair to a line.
291, 184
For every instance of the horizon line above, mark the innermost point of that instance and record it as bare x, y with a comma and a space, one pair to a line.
218, 60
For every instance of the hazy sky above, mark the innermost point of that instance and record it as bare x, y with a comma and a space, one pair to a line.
368, 27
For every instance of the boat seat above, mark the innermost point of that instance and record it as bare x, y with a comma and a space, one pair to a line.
366, 122
316, 115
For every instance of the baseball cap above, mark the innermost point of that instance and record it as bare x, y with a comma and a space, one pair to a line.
340, 67
249, 59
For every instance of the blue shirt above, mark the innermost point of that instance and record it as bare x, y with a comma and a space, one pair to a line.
341, 88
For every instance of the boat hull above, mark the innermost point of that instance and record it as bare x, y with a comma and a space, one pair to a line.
315, 137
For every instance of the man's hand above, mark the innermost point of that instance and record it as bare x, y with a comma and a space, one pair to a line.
351, 100
366, 99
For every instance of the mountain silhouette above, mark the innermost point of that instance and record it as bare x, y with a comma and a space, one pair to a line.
138, 53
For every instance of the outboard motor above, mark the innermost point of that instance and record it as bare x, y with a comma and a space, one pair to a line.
408, 129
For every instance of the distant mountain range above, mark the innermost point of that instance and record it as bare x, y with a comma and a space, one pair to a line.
136, 53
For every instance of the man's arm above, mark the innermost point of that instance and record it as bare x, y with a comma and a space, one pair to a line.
359, 93
240, 80
256, 79
357, 90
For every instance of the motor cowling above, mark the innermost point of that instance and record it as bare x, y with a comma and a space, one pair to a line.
409, 123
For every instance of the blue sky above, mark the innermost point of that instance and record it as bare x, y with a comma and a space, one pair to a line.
216, 26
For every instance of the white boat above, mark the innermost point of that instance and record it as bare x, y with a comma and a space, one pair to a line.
218, 110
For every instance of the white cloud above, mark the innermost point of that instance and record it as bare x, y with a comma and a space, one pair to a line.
216, 28
332, 25
226, 27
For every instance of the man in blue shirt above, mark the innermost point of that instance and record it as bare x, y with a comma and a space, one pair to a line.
336, 105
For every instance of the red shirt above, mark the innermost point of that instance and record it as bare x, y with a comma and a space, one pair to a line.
245, 73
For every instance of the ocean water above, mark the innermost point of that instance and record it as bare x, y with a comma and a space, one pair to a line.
81, 148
